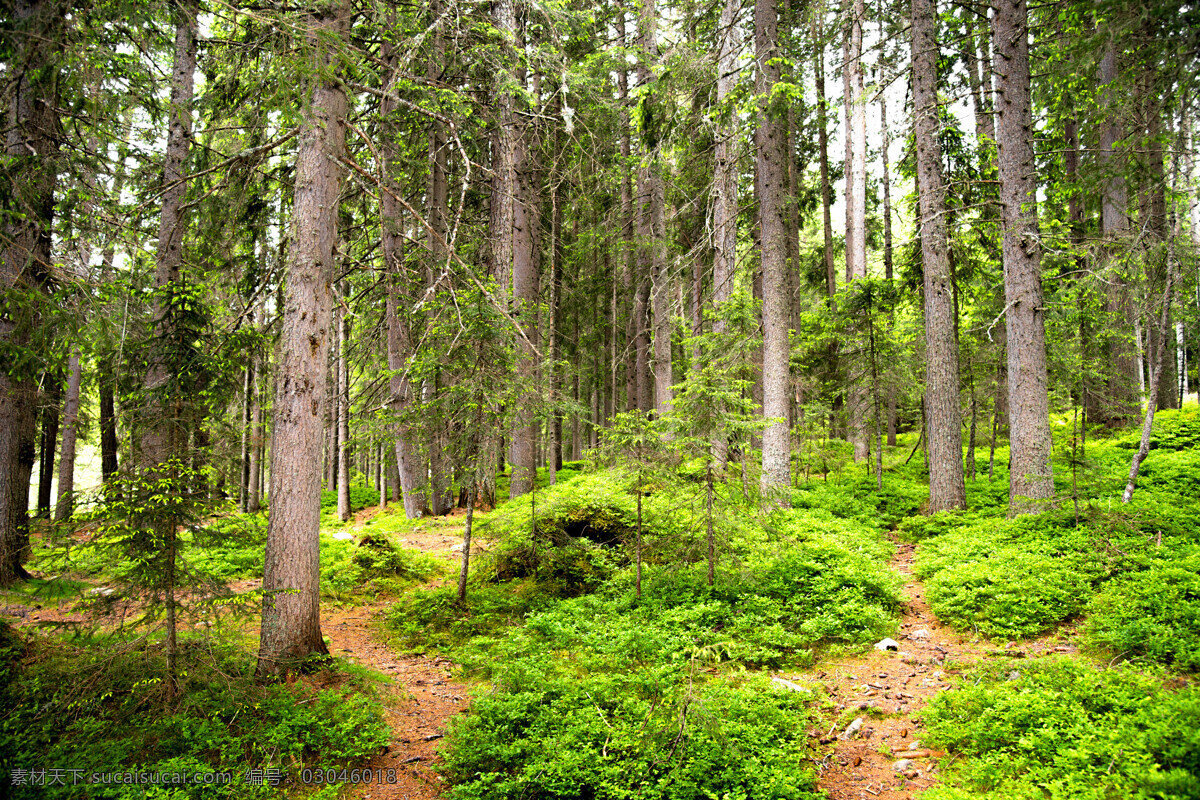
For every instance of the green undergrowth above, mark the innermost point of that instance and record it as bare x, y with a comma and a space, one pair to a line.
1065, 730
1128, 571
102, 709
595, 692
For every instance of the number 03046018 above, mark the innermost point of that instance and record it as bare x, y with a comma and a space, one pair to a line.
366, 775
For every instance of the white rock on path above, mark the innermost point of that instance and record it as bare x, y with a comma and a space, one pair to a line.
887, 644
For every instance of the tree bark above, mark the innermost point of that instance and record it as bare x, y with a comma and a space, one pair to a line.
291, 626
66, 462
1031, 480
524, 269
343, 415
947, 489
725, 181
770, 140
856, 195
159, 423
409, 463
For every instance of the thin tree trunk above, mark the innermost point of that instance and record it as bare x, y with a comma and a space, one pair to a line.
1157, 356
856, 194
342, 322
770, 140
947, 489
409, 462
291, 626
48, 445
66, 462
887, 260
247, 412
725, 182
1031, 480
465, 566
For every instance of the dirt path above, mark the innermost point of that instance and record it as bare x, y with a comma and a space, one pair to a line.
423, 698
879, 694
422, 701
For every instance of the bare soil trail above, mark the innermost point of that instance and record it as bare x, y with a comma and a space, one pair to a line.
422, 698
875, 736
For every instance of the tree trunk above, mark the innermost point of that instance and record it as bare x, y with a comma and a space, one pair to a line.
66, 462
524, 236
823, 146
770, 140
725, 182
51, 420
887, 261
247, 413
291, 625
1031, 480
409, 463
1113, 402
465, 566
947, 489
856, 196
343, 415
254, 484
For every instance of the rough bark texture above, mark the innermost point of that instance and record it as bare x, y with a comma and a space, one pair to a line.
157, 420
66, 462
523, 266
343, 415
409, 463
1031, 482
856, 198
725, 181
770, 140
1112, 401
947, 489
291, 626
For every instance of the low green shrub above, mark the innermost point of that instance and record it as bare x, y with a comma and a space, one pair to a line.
1153, 614
377, 556
103, 710
645, 733
1062, 729
1010, 594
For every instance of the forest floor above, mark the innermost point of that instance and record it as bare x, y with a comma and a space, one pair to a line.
874, 730
422, 697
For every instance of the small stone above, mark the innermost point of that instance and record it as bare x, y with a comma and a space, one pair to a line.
903, 765
852, 729
938, 674
921, 634
887, 644
1014, 676
789, 685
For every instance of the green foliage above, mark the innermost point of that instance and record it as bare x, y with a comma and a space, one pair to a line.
377, 556
1153, 614
361, 496
1059, 728
638, 734
94, 709
1011, 594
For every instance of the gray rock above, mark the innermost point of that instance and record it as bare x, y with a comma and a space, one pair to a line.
887, 644
852, 729
903, 765
920, 634
791, 687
